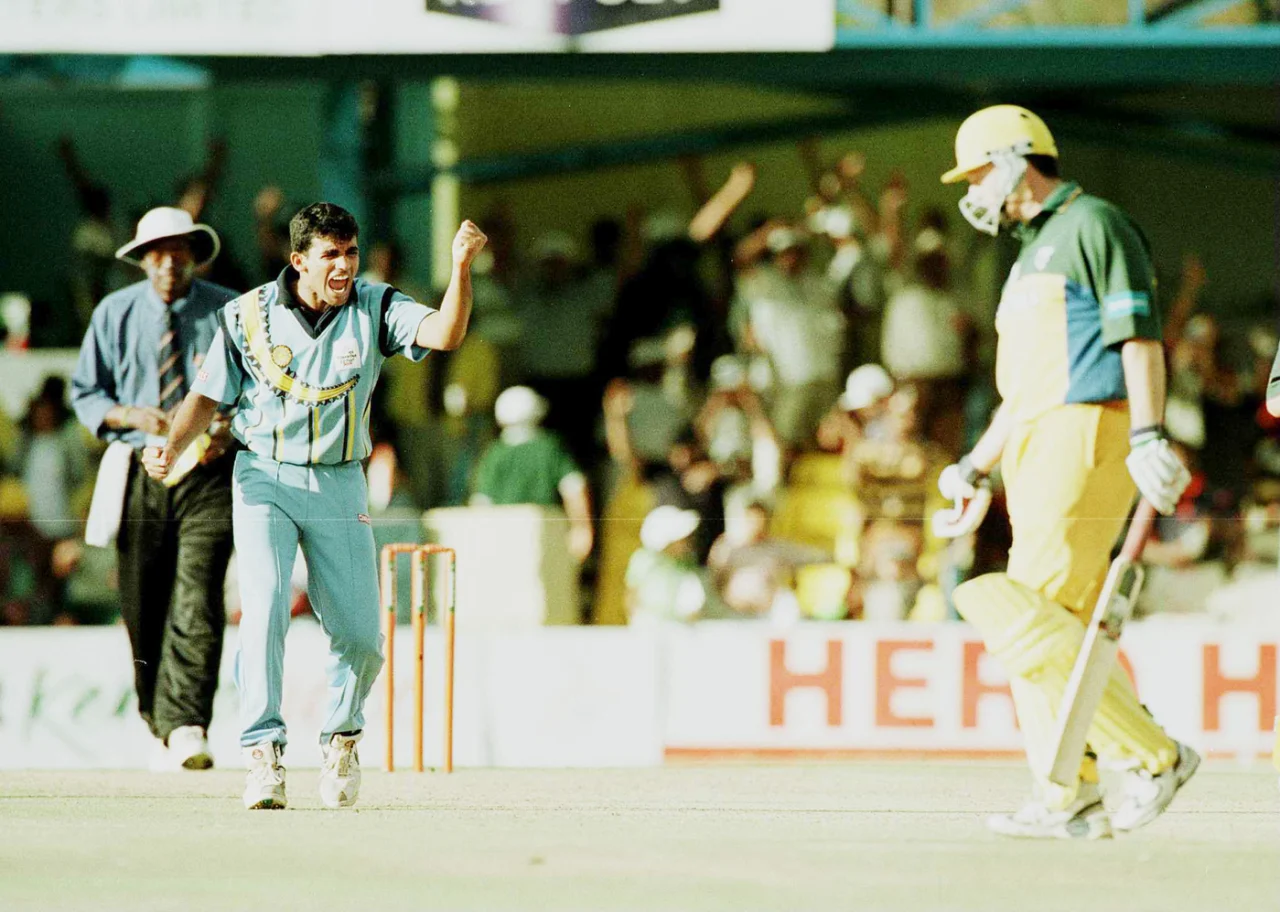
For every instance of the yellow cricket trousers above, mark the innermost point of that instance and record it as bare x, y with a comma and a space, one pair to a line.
1069, 493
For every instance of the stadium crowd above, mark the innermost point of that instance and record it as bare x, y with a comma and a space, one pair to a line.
737, 422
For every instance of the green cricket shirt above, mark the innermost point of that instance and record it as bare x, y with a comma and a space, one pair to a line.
1083, 285
524, 473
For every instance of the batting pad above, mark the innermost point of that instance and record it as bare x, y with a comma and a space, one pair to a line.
1037, 640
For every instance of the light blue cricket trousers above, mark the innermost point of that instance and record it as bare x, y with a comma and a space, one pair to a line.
277, 506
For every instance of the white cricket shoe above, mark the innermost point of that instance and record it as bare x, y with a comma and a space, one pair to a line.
1084, 818
264, 785
1145, 796
340, 773
189, 748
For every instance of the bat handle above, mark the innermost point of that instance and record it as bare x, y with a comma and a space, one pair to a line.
1144, 519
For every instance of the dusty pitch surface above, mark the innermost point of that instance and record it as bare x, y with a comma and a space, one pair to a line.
865, 836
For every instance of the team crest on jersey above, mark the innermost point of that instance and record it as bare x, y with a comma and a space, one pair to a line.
281, 356
1043, 256
347, 353
254, 307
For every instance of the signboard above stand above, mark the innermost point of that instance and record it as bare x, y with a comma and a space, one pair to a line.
328, 27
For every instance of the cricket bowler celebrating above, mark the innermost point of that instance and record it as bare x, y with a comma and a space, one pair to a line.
299, 359
1081, 376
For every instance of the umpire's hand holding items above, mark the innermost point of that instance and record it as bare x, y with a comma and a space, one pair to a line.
1156, 469
156, 461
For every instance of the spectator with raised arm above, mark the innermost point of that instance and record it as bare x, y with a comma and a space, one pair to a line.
93, 271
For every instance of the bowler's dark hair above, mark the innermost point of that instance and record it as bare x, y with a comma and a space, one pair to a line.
321, 220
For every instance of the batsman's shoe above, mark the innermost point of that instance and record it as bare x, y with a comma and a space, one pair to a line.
1084, 818
1145, 795
264, 785
340, 773
189, 748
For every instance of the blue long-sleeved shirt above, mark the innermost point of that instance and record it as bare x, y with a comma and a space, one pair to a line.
118, 359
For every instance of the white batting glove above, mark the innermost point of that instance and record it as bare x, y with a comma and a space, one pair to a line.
1156, 469
960, 480
970, 492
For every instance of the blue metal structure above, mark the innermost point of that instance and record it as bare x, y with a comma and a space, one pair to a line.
1172, 23
894, 61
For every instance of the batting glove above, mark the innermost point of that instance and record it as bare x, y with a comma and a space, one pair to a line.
970, 492
1156, 469
961, 480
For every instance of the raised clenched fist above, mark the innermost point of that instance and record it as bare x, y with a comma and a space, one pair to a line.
468, 242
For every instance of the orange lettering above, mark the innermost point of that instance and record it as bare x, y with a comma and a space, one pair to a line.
782, 681
973, 688
1217, 685
887, 683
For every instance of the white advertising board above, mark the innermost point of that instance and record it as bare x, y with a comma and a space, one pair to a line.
606, 697
277, 27
870, 689
575, 697
315, 27
22, 372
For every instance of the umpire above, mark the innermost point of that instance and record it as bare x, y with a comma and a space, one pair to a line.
138, 359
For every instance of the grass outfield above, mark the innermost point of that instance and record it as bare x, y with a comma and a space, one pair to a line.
857, 836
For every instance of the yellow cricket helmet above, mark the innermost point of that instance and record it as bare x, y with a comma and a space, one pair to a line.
999, 128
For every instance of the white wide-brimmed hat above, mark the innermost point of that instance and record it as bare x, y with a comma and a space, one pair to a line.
519, 405
867, 385
667, 525
170, 222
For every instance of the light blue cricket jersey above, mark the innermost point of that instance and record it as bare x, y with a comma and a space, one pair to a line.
303, 391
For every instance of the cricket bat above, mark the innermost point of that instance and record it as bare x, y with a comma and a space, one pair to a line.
1098, 651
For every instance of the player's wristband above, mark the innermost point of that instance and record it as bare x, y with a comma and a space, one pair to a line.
1150, 432
969, 473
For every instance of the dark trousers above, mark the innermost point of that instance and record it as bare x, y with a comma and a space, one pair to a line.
173, 548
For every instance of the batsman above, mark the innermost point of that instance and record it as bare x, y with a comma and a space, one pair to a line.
1081, 376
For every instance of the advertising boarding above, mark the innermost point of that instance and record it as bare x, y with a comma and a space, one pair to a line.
331, 27
613, 697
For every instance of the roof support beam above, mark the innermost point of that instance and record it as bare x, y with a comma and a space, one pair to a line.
1191, 13
598, 156
1203, 141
